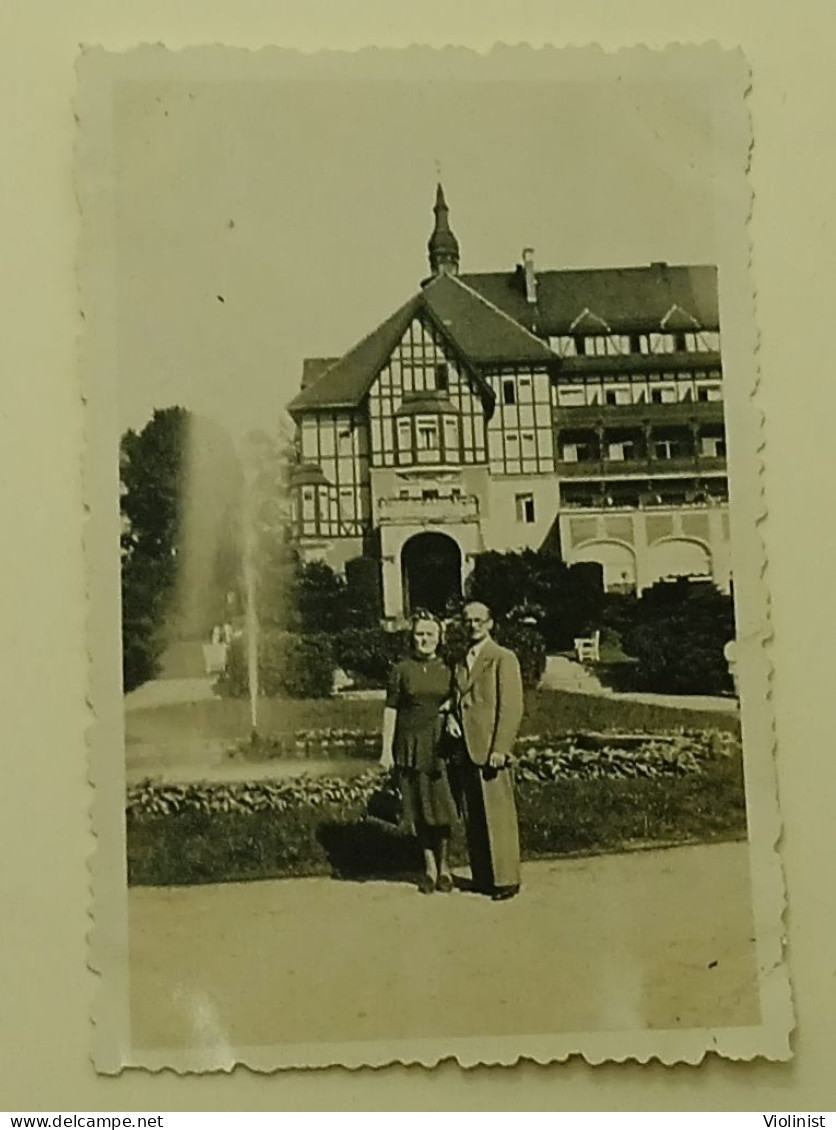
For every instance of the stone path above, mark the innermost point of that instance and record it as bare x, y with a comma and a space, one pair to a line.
170, 692
564, 674
653, 939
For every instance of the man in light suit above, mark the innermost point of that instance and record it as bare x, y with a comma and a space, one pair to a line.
486, 713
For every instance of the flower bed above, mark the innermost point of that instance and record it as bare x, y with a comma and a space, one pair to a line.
583, 792
326, 742
625, 754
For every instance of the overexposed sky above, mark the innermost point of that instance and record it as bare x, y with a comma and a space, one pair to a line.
259, 223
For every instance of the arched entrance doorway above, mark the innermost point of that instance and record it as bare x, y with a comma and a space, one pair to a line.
431, 572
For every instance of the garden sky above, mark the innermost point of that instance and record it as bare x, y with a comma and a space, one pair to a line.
260, 223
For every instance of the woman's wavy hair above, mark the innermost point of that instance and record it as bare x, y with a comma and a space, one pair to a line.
423, 615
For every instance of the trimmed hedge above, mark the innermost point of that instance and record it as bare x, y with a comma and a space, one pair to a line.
579, 793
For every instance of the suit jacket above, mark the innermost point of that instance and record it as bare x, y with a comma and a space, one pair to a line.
489, 701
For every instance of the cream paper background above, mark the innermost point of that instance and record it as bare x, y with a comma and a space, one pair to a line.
47, 996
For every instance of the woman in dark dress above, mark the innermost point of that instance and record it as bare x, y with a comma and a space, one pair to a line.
412, 728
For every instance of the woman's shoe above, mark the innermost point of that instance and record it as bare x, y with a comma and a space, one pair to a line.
426, 884
444, 884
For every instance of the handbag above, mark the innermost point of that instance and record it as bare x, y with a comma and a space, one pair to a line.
385, 803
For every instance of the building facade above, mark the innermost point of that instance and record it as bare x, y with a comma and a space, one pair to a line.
580, 410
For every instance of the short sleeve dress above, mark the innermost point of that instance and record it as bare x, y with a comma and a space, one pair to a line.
417, 688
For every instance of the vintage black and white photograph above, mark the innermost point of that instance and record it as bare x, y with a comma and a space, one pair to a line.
426, 596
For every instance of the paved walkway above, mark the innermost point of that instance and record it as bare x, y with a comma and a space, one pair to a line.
716, 703
564, 674
656, 939
170, 692
561, 674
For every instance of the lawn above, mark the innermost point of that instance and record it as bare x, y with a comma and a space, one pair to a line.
238, 841
547, 711
221, 832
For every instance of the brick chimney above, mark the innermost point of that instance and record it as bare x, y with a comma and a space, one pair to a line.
530, 276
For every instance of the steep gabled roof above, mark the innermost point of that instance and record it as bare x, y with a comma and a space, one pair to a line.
628, 299
347, 381
479, 335
480, 331
314, 367
487, 321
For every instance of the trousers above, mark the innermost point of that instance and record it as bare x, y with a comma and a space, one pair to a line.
485, 800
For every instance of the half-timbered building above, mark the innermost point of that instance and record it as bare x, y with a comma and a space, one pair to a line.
576, 409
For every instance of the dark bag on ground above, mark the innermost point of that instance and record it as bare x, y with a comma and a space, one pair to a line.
385, 803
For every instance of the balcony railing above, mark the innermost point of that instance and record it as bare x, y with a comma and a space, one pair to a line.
642, 503
641, 468
419, 511
642, 363
621, 415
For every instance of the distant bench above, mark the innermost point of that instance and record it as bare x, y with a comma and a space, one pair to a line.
588, 648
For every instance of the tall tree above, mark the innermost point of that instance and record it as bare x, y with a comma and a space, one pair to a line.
152, 472
181, 509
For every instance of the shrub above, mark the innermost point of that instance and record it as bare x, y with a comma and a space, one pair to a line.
147, 585
569, 599
319, 600
368, 654
363, 592
619, 617
680, 630
528, 645
456, 641
578, 793
522, 638
288, 664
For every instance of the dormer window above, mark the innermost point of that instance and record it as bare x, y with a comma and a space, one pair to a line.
442, 377
427, 430
509, 392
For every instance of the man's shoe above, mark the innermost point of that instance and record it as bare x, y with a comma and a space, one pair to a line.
426, 885
444, 884
500, 894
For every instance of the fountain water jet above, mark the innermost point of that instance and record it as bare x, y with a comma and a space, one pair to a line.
251, 610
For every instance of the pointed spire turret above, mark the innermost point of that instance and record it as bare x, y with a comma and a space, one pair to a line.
443, 245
